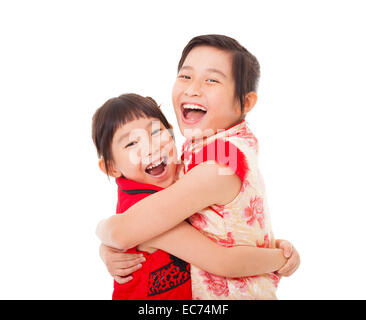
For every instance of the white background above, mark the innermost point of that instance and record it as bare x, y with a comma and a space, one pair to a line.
61, 60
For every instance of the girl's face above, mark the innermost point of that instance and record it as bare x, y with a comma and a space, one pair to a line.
144, 151
204, 93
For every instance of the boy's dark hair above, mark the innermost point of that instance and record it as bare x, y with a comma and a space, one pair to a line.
245, 66
116, 112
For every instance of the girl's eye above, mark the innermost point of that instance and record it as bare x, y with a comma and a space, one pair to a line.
131, 144
155, 132
211, 80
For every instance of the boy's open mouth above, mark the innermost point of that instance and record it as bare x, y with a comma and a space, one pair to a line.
157, 168
193, 113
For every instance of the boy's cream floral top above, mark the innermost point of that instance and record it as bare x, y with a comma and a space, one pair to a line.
244, 221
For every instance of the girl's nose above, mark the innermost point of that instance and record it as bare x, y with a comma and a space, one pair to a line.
152, 151
155, 146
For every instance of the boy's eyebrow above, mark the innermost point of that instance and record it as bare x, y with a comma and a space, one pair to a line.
216, 71
186, 67
128, 133
208, 69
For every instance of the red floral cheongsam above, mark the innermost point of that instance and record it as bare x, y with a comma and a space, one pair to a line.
244, 221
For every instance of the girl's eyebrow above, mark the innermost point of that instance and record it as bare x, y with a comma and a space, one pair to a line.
128, 133
214, 70
122, 137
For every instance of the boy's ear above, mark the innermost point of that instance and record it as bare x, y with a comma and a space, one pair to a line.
111, 170
249, 101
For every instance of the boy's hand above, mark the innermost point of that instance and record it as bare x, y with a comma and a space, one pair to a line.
293, 256
120, 265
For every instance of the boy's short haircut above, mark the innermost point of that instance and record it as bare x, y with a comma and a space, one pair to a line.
245, 66
118, 111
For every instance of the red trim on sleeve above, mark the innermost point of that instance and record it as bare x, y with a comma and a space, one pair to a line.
223, 152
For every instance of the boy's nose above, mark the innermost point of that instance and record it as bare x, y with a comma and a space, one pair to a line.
194, 89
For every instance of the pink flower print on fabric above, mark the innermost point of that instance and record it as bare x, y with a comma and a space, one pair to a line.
249, 137
241, 284
255, 212
265, 243
199, 221
228, 242
275, 279
215, 284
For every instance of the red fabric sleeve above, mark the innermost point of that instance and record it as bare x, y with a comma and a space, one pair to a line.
224, 153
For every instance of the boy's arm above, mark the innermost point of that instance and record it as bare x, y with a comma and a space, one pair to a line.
190, 245
201, 187
293, 256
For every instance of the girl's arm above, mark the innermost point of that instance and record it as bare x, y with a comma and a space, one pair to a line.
190, 245
205, 185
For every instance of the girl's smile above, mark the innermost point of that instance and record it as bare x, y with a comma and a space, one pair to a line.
157, 168
144, 151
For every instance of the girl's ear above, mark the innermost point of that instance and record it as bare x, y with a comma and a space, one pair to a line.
111, 170
249, 101
171, 131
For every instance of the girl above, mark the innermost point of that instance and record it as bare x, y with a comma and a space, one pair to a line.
214, 90
135, 146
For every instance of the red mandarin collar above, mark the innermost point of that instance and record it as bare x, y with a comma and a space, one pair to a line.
126, 184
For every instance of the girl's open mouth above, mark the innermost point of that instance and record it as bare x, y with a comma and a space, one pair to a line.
192, 113
157, 169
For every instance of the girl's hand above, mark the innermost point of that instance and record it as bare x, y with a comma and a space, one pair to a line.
293, 256
120, 265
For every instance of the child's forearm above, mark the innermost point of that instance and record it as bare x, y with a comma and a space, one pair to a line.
106, 232
165, 209
243, 261
188, 244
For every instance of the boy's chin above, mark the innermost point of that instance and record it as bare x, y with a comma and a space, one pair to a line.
197, 131
197, 134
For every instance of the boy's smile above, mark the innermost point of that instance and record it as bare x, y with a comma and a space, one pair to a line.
204, 93
192, 113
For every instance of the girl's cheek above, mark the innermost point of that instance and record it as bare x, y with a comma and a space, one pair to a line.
134, 157
174, 155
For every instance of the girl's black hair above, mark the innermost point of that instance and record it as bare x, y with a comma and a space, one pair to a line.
118, 111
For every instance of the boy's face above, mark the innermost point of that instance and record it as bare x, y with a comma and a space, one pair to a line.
144, 151
204, 93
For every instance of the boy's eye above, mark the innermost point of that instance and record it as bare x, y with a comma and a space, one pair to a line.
131, 144
211, 80
183, 76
